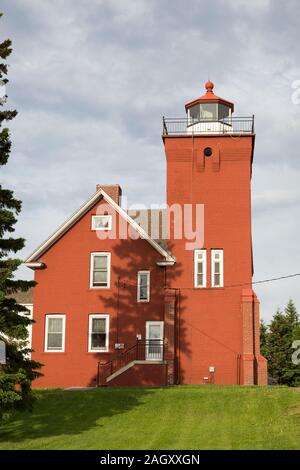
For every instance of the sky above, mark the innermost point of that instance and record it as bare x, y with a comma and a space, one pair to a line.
92, 79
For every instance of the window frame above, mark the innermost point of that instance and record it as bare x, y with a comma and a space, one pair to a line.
90, 325
204, 284
139, 285
107, 216
100, 253
51, 316
221, 260
204, 108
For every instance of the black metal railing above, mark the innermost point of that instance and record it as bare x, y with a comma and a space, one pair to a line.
190, 126
149, 350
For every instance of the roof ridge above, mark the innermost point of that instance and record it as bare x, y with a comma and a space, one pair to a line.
31, 261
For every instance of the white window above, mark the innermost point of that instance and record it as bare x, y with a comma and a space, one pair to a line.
217, 277
143, 287
100, 270
200, 268
98, 333
55, 333
101, 222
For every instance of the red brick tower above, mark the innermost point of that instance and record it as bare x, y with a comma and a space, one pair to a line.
209, 161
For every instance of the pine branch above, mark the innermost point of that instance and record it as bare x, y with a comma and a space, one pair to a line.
3, 70
7, 200
7, 115
5, 49
11, 244
13, 286
5, 146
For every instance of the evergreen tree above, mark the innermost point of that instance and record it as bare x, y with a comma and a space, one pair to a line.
276, 359
283, 330
264, 339
292, 374
19, 371
291, 314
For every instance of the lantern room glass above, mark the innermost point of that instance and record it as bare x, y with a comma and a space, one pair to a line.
208, 112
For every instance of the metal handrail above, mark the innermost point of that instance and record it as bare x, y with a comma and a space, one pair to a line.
136, 352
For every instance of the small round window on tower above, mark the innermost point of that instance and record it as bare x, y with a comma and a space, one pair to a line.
208, 152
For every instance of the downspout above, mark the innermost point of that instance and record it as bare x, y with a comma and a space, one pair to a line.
177, 350
118, 308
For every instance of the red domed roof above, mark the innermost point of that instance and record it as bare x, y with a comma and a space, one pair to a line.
209, 86
209, 96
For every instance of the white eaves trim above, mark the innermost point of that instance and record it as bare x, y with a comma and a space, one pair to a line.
32, 260
34, 265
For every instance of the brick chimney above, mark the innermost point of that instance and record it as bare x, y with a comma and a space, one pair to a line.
112, 190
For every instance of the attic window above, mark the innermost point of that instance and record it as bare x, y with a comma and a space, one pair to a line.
101, 222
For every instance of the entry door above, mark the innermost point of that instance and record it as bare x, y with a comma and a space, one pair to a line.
154, 340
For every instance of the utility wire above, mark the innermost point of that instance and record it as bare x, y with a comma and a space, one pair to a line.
274, 279
126, 282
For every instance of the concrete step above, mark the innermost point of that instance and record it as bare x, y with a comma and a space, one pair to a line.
128, 366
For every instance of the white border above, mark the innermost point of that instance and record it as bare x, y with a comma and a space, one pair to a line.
98, 315
139, 284
109, 217
54, 315
221, 260
105, 253
196, 252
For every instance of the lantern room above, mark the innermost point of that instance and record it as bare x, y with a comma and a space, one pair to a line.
209, 113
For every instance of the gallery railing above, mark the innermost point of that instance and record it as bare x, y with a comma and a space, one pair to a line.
189, 126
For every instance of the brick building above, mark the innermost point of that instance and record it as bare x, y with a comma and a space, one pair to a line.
155, 308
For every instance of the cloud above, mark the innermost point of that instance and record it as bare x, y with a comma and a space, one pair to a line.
253, 8
91, 80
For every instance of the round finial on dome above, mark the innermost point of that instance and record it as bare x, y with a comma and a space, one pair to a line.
209, 86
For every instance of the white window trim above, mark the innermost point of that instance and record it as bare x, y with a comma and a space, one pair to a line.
63, 333
221, 260
109, 217
196, 270
98, 315
148, 324
139, 284
104, 253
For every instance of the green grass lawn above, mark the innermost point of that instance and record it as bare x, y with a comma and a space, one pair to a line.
185, 417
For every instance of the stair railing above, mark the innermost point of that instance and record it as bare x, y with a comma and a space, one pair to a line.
148, 350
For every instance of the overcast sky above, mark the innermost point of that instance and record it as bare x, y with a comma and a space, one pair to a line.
91, 80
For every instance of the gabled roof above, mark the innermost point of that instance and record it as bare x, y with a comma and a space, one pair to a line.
153, 221
33, 260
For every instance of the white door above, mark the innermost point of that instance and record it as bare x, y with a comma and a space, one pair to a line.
154, 340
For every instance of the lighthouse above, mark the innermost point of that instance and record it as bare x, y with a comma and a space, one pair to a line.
209, 155
142, 311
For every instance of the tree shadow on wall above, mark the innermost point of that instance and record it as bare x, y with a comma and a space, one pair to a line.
130, 316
